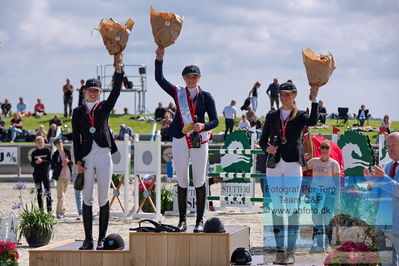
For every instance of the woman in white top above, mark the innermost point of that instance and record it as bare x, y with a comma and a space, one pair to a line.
324, 188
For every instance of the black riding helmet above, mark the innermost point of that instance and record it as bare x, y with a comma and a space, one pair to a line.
114, 242
241, 256
214, 225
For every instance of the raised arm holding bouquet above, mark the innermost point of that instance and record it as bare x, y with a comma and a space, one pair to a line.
318, 69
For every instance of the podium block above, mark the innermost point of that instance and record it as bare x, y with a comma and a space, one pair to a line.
150, 249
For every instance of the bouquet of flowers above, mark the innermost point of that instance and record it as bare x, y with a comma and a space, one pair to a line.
318, 69
351, 253
115, 35
165, 27
8, 253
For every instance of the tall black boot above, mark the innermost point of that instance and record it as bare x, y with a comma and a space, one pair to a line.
39, 199
88, 226
182, 203
200, 194
104, 219
49, 202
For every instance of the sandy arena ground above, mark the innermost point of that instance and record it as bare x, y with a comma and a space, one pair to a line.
71, 228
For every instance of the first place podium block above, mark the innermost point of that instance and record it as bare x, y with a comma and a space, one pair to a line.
150, 249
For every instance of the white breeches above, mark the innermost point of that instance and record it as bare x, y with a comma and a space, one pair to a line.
181, 158
254, 102
284, 183
98, 164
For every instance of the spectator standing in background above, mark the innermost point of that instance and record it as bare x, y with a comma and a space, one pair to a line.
159, 112
272, 92
386, 123
254, 93
6, 108
40, 161
39, 108
230, 114
22, 107
68, 91
61, 163
81, 92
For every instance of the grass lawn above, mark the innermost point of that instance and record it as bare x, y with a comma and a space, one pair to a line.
145, 127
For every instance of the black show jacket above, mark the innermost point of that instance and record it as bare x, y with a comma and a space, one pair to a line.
82, 138
292, 151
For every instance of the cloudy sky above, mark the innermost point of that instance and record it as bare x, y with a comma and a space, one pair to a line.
234, 42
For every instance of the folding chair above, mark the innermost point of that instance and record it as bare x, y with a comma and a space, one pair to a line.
342, 115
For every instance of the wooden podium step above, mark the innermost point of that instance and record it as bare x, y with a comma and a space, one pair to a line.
150, 249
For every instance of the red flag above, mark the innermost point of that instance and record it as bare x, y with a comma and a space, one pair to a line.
382, 130
336, 130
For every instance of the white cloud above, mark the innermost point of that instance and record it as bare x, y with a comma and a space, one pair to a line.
42, 28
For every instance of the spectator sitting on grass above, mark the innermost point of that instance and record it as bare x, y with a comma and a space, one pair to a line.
125, 130
56, 120
126, 111
39, 108
52, 133
6, 108
250, 114
42, 132
386, 123
15, 126
165, 124
3, 130
159, 112
22, 108
244, 123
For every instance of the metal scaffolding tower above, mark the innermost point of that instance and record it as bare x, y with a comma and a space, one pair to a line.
137, 77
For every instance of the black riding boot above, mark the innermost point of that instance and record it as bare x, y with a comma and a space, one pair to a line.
88, 226
182, 203
49, 202
200, 194
39, 200
104, 219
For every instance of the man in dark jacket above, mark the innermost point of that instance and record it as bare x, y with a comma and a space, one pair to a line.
272, 92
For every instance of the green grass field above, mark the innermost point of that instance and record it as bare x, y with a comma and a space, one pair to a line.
145, 127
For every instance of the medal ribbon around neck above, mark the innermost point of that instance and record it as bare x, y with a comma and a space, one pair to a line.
283, 128
91, 116
192, 103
